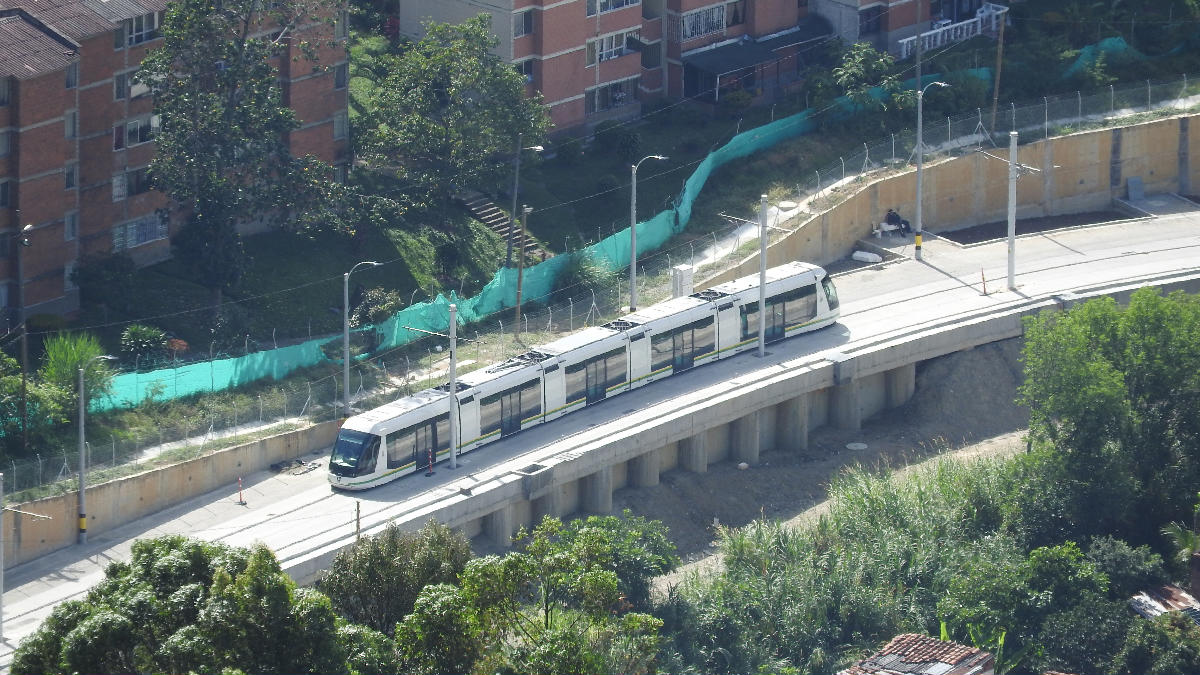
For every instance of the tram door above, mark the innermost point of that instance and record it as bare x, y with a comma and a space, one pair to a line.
775, 320
422, 438
683, 347
595, 378
510, 412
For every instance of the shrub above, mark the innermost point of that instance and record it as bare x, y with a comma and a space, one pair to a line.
143, 343
377, 305
105, 279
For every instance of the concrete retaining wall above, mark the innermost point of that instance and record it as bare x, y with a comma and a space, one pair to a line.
126, 499
1080, 172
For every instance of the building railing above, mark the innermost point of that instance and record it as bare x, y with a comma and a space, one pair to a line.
986, 22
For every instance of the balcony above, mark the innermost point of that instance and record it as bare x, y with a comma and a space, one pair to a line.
986, 22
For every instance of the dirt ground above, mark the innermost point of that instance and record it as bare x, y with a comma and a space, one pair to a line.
962, 400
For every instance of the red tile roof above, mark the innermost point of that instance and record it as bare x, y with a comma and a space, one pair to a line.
911, 654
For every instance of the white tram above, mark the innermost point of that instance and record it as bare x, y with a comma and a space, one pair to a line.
581, 369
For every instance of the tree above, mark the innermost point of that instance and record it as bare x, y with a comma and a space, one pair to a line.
448, 115
862, 69
181, 605
223, 155
47, 407
1116, 392
143, 342
441, 634
641, 550
552, 606
376, 582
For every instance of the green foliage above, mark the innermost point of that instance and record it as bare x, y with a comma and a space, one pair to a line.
222, 150
862, 68
1128, 569
582, 273
447, 116
376, 582
66, 353
734, 103
376, 306
139, 341
1168, 644
641, 551
47, 408
617, 138
441, 634
1114, 390
181, 605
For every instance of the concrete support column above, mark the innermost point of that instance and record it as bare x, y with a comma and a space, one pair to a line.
597, 491
644, 469
845, 411
747, 438
693, 453
901, 383
793, 424
499, 526
549, 504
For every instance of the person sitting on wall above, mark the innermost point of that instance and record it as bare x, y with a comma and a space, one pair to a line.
896, 222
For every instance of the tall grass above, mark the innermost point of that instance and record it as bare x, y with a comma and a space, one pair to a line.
874, 566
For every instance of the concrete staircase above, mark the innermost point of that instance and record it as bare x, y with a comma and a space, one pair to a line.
497, 221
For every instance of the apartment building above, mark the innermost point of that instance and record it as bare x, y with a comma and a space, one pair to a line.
77, 137
598, 59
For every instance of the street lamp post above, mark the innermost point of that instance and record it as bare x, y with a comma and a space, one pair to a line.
22, 242
346, 330
633, 229
516, 188
1013, 170
921, 161
83, 446
454, 387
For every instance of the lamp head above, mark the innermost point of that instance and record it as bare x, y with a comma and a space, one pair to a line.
941, 84
535, 148
659, 156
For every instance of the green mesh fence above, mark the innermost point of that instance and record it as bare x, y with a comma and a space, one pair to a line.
129, 389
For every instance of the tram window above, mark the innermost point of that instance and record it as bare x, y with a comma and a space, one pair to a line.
800, 306
704, 337
443, 432
576, 382
830, 292
354, 453
615, 362
662, 350
531, 399
489, 414
750, 321
399, 448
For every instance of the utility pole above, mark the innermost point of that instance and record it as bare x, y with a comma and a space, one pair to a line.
999, 64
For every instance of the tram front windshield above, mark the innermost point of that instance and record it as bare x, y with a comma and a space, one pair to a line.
347, 452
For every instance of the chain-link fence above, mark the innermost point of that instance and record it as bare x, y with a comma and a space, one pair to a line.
424, 362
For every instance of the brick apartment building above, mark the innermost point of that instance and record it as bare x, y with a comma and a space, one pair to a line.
76, 138
599, 59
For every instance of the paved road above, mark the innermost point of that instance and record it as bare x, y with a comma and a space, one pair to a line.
298, 516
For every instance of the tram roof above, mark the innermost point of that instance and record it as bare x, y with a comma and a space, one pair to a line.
773, 274
666, 308
387, 411
576, 340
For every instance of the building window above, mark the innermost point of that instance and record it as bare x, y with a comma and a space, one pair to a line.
610, 47
5, 196
611, 96
130, 183
139, 231
341, 74
935, 9
340, 126
801, 4
68, 271
340, 173
137, 30
870, 20
340, 25
523, 24
608, 5
71, 176
4, 91
525, 68
71, 123
71, 226
73, 75
4, 143
135, 132
735, 13
702, 22
124, 87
